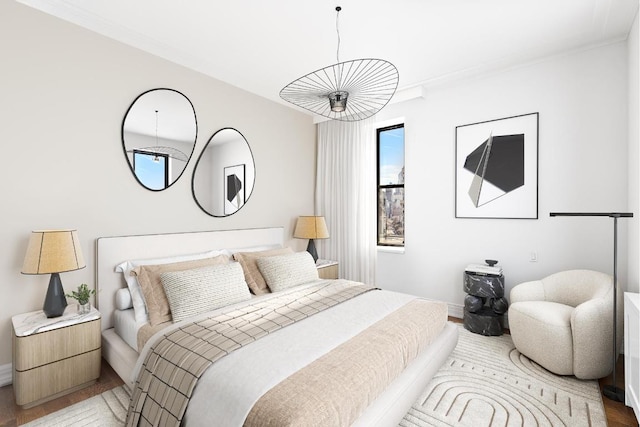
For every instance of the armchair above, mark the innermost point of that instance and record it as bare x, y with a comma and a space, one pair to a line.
564, 322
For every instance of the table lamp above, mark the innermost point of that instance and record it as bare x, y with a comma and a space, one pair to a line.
53, 252
311, 227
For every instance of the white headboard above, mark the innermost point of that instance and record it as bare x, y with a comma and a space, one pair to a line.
111, 251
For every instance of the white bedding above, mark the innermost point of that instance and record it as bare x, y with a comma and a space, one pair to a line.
125, 325
386, 410
230, 387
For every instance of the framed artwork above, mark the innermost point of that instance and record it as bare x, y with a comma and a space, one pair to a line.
497, 168
234, 188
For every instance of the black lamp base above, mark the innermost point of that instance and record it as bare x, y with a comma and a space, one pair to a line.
614, 393
311, 248
55, 301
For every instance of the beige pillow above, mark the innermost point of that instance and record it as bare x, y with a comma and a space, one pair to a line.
252, 275
153, 291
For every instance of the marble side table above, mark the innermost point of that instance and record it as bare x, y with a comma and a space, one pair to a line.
485, 304
54, 356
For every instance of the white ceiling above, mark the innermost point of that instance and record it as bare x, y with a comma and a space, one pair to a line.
260, 46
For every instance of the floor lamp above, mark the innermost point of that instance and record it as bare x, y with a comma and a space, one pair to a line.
610, 391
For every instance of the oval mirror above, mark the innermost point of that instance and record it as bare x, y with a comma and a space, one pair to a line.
158, 136
224, 174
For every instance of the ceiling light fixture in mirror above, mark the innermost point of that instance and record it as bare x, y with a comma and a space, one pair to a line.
224, 174
159, 133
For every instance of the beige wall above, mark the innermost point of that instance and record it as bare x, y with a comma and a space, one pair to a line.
63, 94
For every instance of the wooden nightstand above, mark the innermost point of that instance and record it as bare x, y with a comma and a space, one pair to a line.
53, 357
327, 269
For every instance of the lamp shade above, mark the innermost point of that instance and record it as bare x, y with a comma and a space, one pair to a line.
311, 227
53, 251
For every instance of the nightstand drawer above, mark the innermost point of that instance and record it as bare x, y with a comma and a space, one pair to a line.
40, 349
48, 380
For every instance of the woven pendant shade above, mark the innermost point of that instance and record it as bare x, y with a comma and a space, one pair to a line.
366, 85
348, 91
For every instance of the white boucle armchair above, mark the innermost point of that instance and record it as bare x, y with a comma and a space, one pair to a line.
564, 322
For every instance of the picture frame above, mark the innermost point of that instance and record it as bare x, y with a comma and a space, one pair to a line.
497, 168
234, 188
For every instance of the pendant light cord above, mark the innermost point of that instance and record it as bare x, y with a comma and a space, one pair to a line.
338, 9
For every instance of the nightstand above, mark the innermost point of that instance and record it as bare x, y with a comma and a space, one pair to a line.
53, 357
327, 269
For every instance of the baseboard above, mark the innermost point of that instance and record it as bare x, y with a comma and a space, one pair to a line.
456, 310
5, 374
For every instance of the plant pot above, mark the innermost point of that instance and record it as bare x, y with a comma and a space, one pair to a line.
84, 308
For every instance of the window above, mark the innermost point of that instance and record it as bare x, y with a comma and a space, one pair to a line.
390, 141
151, 169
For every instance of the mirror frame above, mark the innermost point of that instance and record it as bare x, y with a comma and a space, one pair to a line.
195, 169
124, 147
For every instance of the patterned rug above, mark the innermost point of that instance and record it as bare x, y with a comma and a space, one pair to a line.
485, 382
108, 409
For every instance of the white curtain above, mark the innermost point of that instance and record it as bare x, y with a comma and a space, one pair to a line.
346, 196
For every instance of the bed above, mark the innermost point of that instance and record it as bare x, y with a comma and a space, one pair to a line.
280, 365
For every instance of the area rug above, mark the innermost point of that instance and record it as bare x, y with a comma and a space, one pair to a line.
485, 382
108, 409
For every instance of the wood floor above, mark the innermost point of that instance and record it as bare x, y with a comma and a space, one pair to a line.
618, 415
13, 415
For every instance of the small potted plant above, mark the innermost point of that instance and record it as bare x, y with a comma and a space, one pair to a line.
82, 296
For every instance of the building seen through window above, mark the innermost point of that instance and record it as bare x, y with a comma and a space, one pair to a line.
391, 195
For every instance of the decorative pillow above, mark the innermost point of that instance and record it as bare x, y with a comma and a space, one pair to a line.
285, 271
152, 290
123, 299
248, 261
191, 292
139, 306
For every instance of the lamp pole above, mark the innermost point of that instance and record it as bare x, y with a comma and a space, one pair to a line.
610, 391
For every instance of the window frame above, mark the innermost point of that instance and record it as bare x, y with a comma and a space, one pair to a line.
379, 187
167, 166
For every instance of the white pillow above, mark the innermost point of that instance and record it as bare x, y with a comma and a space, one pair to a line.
196, 291
139, 305
285, 271
123, 299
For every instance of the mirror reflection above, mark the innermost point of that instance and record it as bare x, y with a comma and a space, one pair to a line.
224, 175
158, 136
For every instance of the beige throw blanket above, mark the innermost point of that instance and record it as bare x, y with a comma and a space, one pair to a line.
335, 389
174, 363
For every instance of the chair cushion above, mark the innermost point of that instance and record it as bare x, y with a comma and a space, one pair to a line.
541, 331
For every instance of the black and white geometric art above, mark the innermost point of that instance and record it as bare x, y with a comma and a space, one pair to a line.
234, 188
497, 168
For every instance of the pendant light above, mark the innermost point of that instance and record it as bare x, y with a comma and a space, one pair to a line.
347, 91
159, 151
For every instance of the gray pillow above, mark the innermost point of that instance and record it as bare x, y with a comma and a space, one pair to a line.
191, 292
285, 271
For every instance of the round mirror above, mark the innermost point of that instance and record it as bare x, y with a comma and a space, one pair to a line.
158, 136
224, 175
